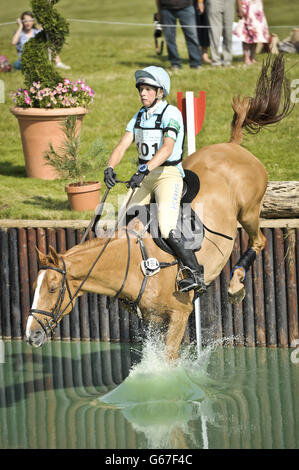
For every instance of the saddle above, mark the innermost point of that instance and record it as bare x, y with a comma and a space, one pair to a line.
189, 224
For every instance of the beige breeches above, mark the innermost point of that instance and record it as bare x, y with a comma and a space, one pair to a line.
166, 184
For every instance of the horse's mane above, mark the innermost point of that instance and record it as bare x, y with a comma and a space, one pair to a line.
270, 104
88, 245
95, 242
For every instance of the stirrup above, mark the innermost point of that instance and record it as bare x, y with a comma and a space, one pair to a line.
193, 281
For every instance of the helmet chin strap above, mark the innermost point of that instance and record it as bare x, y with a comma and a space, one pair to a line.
155, 100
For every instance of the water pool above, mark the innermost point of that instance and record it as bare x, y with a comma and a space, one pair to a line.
94, 395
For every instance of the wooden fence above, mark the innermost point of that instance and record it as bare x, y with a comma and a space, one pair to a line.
268, 315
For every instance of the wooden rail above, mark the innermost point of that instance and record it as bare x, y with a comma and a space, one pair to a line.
268, 315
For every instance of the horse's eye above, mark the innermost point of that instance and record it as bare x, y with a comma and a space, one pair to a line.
52, 289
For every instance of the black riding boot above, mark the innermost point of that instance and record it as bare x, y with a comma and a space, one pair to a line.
195, 271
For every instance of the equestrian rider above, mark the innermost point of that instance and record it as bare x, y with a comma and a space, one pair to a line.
158, 131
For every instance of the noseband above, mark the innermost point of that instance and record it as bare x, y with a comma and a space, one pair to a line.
54, 315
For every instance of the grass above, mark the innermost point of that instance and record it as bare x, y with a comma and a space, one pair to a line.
106, 56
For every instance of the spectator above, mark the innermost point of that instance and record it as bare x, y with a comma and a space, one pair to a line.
168, 13
221, 17
203, 24
27, 30
252, 27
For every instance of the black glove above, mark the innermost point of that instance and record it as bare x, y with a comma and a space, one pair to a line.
136, 179
109, 177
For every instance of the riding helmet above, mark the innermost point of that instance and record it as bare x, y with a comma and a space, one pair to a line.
153, 76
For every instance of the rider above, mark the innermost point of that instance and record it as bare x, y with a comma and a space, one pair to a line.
158, 131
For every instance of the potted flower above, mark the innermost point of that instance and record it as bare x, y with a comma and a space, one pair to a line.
71, 165
47, 98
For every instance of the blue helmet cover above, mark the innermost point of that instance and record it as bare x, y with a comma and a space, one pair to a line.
156, 74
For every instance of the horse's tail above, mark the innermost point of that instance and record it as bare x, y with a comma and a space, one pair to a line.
270, 105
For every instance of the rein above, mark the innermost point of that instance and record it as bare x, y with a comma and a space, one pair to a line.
54, 315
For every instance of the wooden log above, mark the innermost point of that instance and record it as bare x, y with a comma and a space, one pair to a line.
51, 240
65, 322
117, 373
280, 289
94, 320
226, 306
281, 200
41, 240
5, 287
218, 319
96, 365
136, 328
124, 323
237, 308
83, 304
16, 324
51, 237
269, 292
260, 331
32, 259
24, 276
104, 318
291, 285
114, 319
74, 321
248, 303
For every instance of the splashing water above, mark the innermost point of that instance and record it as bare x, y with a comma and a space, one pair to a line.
156, 379
160, 398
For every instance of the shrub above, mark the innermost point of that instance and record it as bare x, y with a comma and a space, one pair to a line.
69, 162
44, 86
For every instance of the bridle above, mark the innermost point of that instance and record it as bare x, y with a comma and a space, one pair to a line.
53, 317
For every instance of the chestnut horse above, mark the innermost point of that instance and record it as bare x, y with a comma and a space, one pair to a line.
232, 185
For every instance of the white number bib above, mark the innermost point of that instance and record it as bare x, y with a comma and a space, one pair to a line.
148, 142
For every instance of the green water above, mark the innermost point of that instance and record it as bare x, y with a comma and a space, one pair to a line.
94, 395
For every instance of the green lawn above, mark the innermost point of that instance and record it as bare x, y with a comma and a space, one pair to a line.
106, 56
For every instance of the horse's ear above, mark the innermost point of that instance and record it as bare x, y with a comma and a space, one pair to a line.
53, 256
42, 258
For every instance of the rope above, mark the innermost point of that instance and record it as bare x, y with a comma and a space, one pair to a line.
151, 25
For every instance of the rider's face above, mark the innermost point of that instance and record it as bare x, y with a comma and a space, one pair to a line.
147, 95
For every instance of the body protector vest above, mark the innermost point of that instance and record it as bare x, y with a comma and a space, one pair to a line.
150, 139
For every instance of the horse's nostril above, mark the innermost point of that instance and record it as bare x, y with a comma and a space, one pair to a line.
37, 338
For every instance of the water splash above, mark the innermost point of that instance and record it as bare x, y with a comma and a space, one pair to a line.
155, 379
161, 399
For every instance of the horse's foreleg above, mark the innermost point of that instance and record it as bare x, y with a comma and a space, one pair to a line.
176, 329
256, 243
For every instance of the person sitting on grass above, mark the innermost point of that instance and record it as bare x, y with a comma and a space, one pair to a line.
27, 30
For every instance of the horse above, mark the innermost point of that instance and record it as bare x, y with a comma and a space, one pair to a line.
232, 186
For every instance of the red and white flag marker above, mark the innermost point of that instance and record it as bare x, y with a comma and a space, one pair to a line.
193, 111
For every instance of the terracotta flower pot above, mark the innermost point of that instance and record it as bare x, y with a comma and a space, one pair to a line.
83, 197
38, 128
